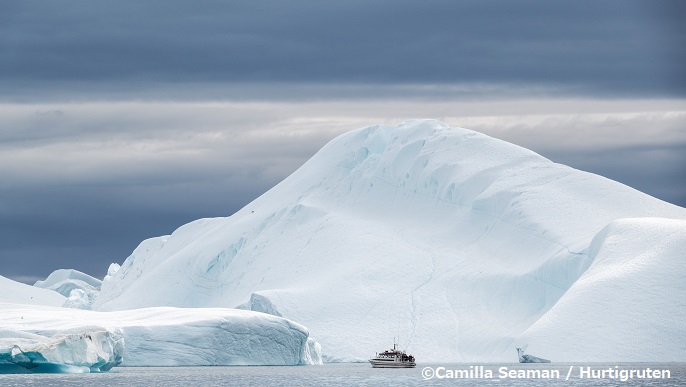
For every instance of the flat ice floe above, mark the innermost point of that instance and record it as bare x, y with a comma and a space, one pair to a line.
70, 340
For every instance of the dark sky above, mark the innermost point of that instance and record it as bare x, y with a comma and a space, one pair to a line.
122, 120
607, 48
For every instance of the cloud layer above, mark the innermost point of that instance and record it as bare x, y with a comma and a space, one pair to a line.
585, 48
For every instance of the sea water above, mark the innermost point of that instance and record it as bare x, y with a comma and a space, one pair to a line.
361, 374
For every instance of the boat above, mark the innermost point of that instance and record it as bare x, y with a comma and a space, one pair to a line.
393, 358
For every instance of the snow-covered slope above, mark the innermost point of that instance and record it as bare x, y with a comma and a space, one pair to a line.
151, 337
636, 284
19, 293
456, 242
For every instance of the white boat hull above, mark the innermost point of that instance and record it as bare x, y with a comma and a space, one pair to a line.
385, 363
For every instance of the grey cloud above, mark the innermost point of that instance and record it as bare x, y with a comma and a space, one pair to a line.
600, 48
585, 132
88, 225
655, 169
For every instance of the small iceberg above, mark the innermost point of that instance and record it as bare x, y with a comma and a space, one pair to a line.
80, 289
525, 358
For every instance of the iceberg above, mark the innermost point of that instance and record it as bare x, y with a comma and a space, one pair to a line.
526, 358
635, 285
461, 244
79, 288
114, 267
50, 339
18, 293
212, 336
61, 280
36, 339
84, 350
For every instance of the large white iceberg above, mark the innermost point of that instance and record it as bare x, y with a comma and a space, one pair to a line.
459, 243
48, 339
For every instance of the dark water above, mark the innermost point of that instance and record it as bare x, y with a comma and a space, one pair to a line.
354, 375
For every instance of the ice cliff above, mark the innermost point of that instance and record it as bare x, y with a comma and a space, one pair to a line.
36, 339
49, 339
461, 244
